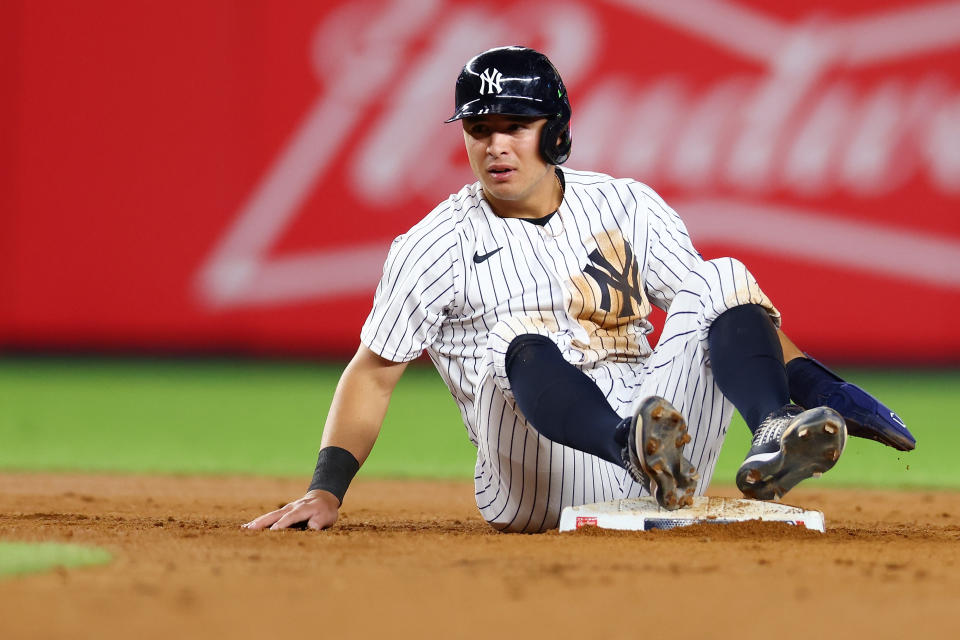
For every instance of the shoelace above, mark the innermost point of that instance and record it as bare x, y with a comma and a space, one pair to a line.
772, 428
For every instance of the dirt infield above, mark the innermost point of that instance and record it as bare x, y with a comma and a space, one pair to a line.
414, 560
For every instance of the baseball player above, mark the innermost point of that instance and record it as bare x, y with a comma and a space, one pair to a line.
530, 291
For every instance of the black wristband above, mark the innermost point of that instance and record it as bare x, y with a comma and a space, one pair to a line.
335, 469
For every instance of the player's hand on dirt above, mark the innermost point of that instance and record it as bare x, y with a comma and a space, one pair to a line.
317, 509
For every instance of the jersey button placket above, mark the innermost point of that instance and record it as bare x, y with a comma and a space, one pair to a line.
553, 259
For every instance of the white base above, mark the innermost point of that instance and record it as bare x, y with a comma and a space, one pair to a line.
641, 514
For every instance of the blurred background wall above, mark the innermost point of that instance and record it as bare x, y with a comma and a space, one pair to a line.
218, 176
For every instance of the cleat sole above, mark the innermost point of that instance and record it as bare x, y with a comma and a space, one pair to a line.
663, 433
809, 447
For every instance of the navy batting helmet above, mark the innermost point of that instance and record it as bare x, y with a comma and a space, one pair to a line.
517, 81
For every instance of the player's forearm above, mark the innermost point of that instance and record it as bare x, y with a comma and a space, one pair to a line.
353, 424
360, 403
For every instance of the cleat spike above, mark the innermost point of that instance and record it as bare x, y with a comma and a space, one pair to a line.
805, 433
656, 413
653, 445
833, 455
658, 467
817, 474
831, 428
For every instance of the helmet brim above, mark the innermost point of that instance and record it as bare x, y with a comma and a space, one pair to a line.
512, 106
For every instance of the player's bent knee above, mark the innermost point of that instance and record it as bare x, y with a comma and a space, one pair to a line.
506, 331
711, 274
725, 283
503, 334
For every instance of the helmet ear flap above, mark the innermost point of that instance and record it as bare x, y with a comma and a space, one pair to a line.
555, 140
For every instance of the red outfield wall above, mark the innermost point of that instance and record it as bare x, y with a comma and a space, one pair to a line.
217, 175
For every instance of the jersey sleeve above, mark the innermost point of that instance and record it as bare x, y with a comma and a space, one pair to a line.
414, 294
670, 253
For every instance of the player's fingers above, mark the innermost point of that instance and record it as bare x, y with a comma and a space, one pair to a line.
299, 514
266, 519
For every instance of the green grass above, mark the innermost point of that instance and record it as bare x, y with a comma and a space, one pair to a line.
210, 417
252, 417
17, 558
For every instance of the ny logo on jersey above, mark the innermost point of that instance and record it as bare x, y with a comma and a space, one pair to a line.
490, 81
626, 282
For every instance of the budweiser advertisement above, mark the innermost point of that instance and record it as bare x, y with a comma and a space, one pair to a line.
220, 176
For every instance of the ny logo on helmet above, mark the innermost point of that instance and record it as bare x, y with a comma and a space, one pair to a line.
490, 81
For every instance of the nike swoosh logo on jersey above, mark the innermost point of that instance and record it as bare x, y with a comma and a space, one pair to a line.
480, 258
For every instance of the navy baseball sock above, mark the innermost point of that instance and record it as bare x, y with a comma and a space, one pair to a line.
559, 400
747, 362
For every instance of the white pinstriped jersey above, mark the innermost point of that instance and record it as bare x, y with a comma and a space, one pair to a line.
463, 283
588, 276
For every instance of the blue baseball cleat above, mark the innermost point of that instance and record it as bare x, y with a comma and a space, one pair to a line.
866, 417
791, 445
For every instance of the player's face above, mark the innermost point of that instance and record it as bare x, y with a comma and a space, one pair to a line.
504, 154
